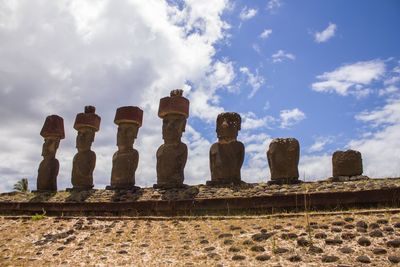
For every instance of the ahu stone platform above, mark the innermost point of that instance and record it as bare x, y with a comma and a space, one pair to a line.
259, 198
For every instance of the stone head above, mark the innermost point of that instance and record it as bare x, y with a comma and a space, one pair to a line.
50, 146
85, 138
127, 133
228, 126
173, 127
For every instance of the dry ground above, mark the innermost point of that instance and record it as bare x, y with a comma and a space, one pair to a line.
294, 240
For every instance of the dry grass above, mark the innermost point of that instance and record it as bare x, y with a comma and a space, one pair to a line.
172, 242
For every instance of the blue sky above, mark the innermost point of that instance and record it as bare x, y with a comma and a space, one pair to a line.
324, 72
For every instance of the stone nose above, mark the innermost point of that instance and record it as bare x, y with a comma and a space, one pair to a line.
224, 124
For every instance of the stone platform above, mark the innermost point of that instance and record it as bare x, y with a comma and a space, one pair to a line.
258, 198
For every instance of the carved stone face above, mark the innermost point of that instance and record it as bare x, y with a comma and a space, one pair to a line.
173, 127
85, 138
227, 130
127, 132
50, 146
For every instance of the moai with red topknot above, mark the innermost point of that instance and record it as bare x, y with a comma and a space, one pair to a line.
125, 160
84, 161
227, 155
52, 132
172, 155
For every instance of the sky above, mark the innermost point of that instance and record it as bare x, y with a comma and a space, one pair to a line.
324, 72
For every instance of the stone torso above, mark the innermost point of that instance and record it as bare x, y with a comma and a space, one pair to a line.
171, 160
124, 167
226, 160
47, 175
82, 169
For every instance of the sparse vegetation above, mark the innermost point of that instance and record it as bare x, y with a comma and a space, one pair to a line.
38, 217
21, 185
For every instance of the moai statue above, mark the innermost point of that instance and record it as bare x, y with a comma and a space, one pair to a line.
125, 160
346, 164
52, 132
227, 155
85, 160
172, 155
283, 160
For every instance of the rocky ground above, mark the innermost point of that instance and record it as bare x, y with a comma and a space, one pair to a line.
355, 238
201, 191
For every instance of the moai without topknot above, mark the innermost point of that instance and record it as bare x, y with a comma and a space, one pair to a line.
84, 161
227, 155
283, 160
125, 160
346, 164
172, 155
52, 132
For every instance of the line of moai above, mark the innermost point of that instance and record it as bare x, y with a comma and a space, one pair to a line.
226, 155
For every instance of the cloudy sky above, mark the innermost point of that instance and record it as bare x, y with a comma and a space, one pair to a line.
324, 72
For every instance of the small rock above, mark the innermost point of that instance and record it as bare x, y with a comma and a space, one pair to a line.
349, 219
280, 250
346, 250
60, 248
361, 230
225, 235
257, 249
214, 256
393, 243
374, 226
234, 249
320, 235
349, 226
209, 249
388, 229
397, 224
363, 259
228, 242
362, 224
363, 241
336, 229
339, 223
348, 236
382, 221
294, 258
123, 252
302, 242
263, 257
238, 258
329, 258
394, 259
315, 249
379, 251
333, 241
261, 237
376, 233
248, 242
204, 241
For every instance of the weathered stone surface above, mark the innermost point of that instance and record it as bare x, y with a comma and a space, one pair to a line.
52, 131
347, 163
283, 159
227, 155
125, 160
84, 161
172, 155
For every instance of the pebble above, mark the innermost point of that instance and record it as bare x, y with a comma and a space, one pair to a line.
225, 235
346, 250
209, 249
257, 249
363, 241
238, 258
263, 257
302, 242
393, 243
315, 249
379, 251
214, 256
361, 224
363, 259
280, 250
320, 235
394, 259
376, 233
261, 237
234, 249
348, 236
333, 241
374, 225
228, 242
294, 258
329, 258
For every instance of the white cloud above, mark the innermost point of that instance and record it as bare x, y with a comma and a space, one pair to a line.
290, 117
247, 13
266, 33
320, 144
326, 34
273, 5
254, 80
60, 56
350, 78
388, 91
281, 55
313, 168
251, 121
380, 147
